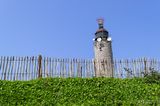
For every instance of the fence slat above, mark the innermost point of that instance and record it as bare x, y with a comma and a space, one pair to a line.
50, 68
46, 67
1, 66
55, 67
15, 68
23, 68
32, 72
12, 66
9, 68
6, 69
27, 68
35, 68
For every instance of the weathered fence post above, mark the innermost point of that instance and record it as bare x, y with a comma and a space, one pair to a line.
145, 66
40, 66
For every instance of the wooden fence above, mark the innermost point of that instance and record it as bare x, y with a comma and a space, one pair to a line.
27, 68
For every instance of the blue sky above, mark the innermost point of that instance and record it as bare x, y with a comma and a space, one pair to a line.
65, 28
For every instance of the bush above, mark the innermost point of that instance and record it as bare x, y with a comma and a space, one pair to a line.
152, 77
79, 92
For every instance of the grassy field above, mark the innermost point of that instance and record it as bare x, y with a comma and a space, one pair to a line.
80, 92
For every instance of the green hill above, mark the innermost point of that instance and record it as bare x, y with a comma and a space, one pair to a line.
79, 92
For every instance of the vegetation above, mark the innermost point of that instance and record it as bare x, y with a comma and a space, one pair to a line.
80, 92
152, 77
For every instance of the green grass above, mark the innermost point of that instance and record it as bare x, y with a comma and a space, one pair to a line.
79, 92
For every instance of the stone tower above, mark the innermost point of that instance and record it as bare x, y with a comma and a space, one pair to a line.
103, 52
